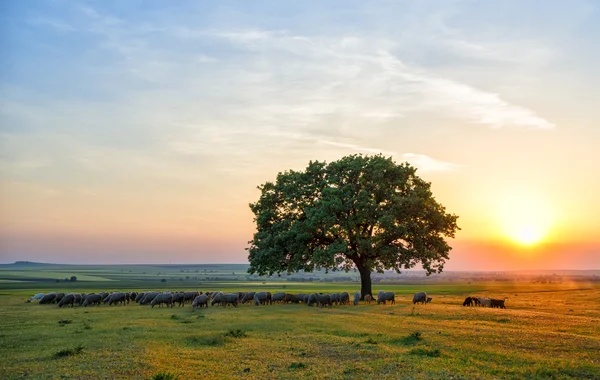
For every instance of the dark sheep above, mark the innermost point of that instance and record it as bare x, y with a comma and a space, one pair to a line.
189, 296
68, 299
498, 303
139, 297
201, 300
386, 296
59, 296
344, 298
78, 298
335, 298
216, 298
178, 298
468, 301
300, 297
278, 297
313, 299
420, 297
92, 299
48, 298
229, 299
429, 299
165, 298
249, 296
148, 298
260, 298
116, 298
289, 298
324, 299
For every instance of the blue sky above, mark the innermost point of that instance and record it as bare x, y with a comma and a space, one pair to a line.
126, 119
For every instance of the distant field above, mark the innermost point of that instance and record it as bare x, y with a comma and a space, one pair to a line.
549, 331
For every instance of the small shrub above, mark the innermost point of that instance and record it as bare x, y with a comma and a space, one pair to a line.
237, 333
174, 316
416, 335
206, 340
86, 326
64, 322
371, 341
297, 365
433, 353
165, 376
68, 352
187, 321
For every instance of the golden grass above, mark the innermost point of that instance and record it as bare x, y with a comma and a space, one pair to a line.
546, 332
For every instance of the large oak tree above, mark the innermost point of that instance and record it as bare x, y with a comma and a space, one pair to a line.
362, 212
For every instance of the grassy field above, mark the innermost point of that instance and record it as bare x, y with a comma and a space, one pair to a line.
549, 331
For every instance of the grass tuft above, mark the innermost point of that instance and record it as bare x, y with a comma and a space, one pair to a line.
297, 365
432, 353
68, 352
64, 322
206, 340
371, 341
165, 376
236, 333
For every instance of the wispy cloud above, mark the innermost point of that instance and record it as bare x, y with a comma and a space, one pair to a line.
428, 164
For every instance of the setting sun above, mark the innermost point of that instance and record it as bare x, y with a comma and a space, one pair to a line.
524, 219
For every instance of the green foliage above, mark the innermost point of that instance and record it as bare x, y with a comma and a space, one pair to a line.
68, 352
371, 341
64, 321
360, 211
216, 340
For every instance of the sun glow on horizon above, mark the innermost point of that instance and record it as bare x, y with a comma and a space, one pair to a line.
524, 219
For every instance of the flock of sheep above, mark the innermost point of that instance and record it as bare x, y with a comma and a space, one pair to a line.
199, 299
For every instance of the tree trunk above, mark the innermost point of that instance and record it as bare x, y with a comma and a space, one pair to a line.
365, 281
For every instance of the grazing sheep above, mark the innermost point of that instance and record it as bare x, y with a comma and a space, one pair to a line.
429, 299
68, 299
335, 298
249, 296
278, 297
48, 298
497, 303
201, 300
485, 302
290, 298
260, 298
178, 298
300, 297
468, 301
92, 299
59, 296
78, 298
116, 298
356, 298
313, 299
368, 299
167, 299
132, 296
324, 299
476, 301
229, 299
189, 296
148, 298
386, 296
344, 298
37, 297
139, 297
420, 297
216, 298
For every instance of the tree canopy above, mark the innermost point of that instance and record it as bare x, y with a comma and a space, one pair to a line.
363, 212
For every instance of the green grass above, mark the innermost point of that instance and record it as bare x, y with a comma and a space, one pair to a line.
538, 336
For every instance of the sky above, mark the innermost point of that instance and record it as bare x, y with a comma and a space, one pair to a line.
138, 131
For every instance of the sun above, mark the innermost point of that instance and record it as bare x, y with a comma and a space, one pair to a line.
524, 219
